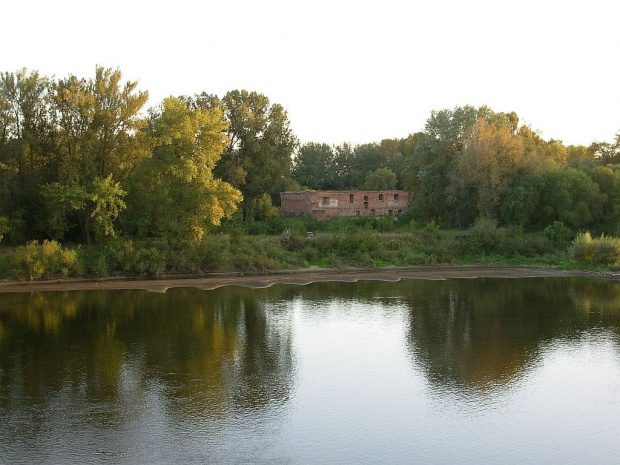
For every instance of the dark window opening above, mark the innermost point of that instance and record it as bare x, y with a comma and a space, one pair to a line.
380, 196
365, 198
395, 196
365, 204
351, 198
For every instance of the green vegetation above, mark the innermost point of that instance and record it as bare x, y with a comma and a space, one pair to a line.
192, 185
337, 243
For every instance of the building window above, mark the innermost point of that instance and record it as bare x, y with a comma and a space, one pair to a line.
390, 212
365, 198
366, 205
351, 198
325, 200
395, 196
381, 197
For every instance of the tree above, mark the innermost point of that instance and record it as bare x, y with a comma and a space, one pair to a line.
380, 179
175, 194
572, 197
99, 119
261, 143
520, 201
366, 158
605, 152
96, 205
4, 226
25, 123
490, 161
315, 166
433, 158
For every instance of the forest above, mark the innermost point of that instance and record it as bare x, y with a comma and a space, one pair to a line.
85, 163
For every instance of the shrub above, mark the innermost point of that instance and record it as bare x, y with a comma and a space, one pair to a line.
485, 235
34, 260
291, 241
527, 245
309, 254
148, 261
607, 250
583, 249
200, 257
386, 223
430, 232
559, 234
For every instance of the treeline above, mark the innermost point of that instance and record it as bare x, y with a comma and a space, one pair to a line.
83, 160
471, 164
80, 159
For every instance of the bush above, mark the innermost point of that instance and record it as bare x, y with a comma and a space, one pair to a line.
583, 248
309, 254
527, 245
604, 250
607, 250
291, 241
149, 261
386, 223
34, 260
485, 235
559, 234
430, 232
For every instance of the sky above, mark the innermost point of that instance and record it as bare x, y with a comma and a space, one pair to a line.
345, 71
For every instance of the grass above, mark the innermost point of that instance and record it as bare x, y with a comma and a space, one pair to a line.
337, 246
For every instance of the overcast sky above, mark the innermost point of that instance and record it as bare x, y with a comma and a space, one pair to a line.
346, 71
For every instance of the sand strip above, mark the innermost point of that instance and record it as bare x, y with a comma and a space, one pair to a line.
299, 277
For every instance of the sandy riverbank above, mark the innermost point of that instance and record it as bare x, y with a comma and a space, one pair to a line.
299, 277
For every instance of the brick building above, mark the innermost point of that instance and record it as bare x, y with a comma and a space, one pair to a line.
327, 204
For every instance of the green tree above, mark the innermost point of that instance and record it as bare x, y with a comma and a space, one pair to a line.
366, 158
607, 152
96, 206
26, 125
519, 202
4, 227
490, 161
433, 159
174, 194
380, 179
315, 166
571, 197
257, 159
98, 119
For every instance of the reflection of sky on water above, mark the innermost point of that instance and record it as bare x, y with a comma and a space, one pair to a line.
476, 371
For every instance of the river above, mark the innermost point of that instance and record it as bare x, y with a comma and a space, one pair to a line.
477, 371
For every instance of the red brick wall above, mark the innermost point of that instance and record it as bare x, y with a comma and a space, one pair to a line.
327, 204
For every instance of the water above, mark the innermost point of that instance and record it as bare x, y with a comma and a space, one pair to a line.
457, 371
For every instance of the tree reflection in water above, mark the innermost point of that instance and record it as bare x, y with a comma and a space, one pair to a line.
218, 374
484, 333
205, 352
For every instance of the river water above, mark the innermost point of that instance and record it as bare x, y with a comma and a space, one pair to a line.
479, 371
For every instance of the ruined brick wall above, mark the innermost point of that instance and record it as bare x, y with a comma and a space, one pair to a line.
327, 204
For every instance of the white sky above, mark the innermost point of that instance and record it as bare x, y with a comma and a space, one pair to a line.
346, 71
